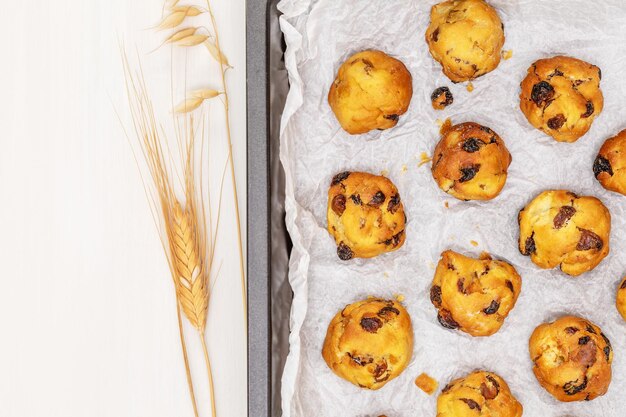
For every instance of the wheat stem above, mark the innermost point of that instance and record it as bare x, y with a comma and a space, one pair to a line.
209, 372
232, 165
186, 359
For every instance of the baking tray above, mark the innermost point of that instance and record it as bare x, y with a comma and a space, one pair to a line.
268, 244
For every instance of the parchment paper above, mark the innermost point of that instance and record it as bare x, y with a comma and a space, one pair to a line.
320, 34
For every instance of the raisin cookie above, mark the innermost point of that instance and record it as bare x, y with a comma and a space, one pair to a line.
474, 295
365, 215
561, 96
371, 91
572, 359
479, 394
559, 228
465, 37
470, 162
621, 299
610, 163
369, 342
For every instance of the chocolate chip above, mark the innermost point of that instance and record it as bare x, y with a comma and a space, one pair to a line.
459, 285
529, 245
556, 122
446, 320
377, 199
542, 93
356, 199
339, 204
473, 405
435, 295
565, 213
368, 65
468, 173
572, 389
435, 35
509, 285
380, 372
441, 98
623, 286
607, 353
571, 330
395, 239
340, 177
589, 240
490, 391
371, 324
493, 308
590, 329
393, 117
601, 164
394, 204
486, 129
451, 267
447, 388
360, 361
599, 73
472, 145
584, 340
385, 312
589, 111
556, 73
344, 252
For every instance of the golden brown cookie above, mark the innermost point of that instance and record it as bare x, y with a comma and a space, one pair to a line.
365, 215
561, 96
474, 295
371, 91
621, 299
465, 37
572, 359
479, 394
369, 342
559, 228
609, 166
470, 162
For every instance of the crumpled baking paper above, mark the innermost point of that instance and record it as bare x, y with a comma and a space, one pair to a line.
320, 35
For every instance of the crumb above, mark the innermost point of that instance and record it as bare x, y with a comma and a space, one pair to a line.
441, 98
386, 275
474, 243
470, 87
485, 256
399, 297
404, 168
431, 265
444, 126
426, 383
507, 54
384, 172
445, 204
424, 159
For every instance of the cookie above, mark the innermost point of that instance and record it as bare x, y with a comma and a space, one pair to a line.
479, 394
559, 228
561, 96
441, 98
572, 359
369, 343
474, 295
365, 215
465, 37
609, 165
371, 91
621, 299
471, 162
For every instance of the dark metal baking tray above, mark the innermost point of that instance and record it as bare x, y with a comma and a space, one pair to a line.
268, 244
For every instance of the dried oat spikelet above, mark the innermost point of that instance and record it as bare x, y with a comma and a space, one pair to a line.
192, 286
177, 16
216, 53
195, 99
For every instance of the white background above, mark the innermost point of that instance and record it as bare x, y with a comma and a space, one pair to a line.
87, 310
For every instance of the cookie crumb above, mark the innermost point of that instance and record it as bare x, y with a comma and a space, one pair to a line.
444, 126
441, 98
445, 204
426, 383
384, 172
485, 256
404, 169
474, 243
424, 159
507, 54
470, 87
399, 297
